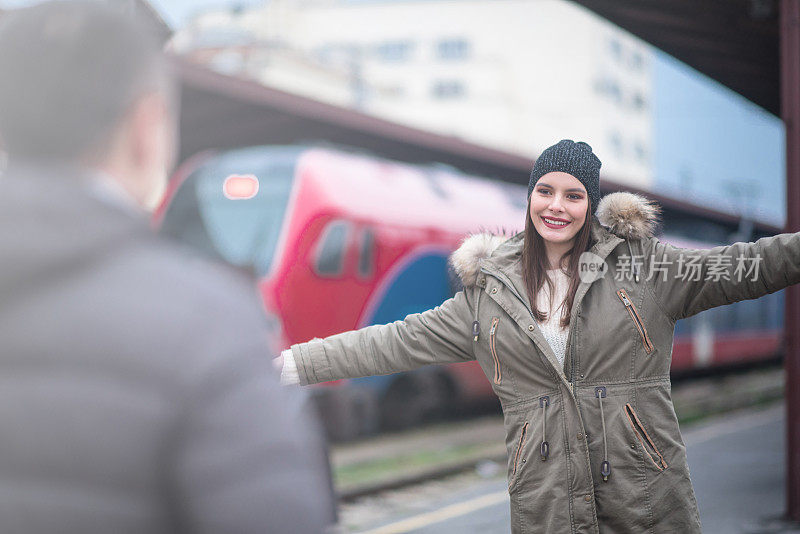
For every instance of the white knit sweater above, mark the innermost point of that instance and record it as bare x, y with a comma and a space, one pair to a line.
553, 333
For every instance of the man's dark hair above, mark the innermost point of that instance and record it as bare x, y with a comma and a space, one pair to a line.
69, 71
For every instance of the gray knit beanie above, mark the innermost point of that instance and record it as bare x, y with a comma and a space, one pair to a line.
572, 158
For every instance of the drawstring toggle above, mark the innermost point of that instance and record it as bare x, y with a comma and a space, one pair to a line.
544, 448
605, 470
605, 466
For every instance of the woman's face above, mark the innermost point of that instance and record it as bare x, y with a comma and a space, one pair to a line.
558, 207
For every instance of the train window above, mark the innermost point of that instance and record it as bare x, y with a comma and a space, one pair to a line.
183, 222
329, 261
246, 232
242, 231
366, 253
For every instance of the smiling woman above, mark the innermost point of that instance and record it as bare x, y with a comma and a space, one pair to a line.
562, 192
580, 363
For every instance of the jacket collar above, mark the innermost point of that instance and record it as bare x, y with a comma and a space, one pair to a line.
506, 257
619, 216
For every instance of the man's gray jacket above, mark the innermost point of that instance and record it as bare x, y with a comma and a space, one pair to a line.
136, 388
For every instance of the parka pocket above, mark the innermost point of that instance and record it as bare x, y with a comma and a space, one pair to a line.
493, 349
520, 443
644, 438
529, 433
637, 320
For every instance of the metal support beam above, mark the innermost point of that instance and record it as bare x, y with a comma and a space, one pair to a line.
790, 112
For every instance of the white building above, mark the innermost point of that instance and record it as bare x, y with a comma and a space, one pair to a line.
517, 75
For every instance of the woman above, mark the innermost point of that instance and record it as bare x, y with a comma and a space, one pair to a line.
572, 322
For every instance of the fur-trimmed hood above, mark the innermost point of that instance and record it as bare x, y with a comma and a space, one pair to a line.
627, 215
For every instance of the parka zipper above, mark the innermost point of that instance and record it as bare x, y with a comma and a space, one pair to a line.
544, 447
644, 438
637, 321
506, 282
519, 448
493, 349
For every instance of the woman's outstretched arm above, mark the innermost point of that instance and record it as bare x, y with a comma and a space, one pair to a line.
688, 281
440, 335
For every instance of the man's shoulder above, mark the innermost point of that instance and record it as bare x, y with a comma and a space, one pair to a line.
113, 280
185, 279
182, 312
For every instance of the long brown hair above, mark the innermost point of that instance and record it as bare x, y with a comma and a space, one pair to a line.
535, 264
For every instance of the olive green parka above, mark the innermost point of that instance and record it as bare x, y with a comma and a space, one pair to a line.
593, 445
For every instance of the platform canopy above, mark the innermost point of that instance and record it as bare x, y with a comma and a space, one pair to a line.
735, 42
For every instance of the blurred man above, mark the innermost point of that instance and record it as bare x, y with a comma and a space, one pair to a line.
136, 389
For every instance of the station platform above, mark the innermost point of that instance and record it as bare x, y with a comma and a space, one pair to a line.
737, 464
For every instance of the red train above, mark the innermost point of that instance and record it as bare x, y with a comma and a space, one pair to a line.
340, 240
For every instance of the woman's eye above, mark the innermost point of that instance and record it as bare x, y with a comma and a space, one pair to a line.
544, 192
575, 197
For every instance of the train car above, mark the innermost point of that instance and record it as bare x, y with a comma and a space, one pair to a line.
339, 240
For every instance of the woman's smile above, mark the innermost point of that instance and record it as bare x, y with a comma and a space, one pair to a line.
555, 223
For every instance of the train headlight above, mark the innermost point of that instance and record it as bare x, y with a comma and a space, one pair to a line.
240, 186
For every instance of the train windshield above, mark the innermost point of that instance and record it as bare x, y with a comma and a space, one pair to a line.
243, 231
